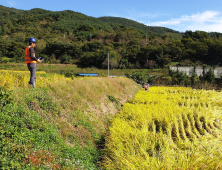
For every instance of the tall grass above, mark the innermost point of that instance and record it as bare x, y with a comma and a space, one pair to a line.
167, 128
60, 124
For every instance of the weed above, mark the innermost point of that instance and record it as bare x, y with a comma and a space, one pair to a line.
5, 97
113, 99
60, 123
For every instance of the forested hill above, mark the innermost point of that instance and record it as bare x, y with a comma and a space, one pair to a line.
68, 36
64, 21
150, 30
69, 21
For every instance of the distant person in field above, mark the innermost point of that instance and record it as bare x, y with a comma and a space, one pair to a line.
31, 61
146, 87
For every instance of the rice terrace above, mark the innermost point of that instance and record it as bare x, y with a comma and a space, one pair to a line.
79, 92
167, 128
72, 123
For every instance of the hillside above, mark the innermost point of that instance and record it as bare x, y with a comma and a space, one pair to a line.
59, 125
150, 30
41, 20
70, 20
68, 37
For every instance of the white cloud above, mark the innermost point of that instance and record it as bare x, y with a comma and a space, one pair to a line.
206, 21
138, 16
11, 3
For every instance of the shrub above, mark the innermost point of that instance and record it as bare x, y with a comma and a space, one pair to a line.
140, 76
5, 60
5, 97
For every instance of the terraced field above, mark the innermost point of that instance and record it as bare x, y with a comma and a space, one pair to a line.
60, 124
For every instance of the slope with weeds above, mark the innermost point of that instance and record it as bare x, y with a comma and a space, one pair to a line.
60, 124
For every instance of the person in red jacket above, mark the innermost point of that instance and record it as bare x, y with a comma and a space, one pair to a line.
31, 60
146, 86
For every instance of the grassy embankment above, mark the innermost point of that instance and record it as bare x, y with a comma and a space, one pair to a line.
167, 128
59, 125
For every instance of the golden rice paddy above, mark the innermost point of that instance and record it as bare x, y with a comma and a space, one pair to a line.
167, 128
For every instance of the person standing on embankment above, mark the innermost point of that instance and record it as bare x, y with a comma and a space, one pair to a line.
31, 61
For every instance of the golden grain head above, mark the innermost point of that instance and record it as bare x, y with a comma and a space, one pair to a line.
167, 128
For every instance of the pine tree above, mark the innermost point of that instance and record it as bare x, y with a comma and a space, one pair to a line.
3, 31
209, 76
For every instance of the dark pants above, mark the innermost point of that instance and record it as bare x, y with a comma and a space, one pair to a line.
32, 69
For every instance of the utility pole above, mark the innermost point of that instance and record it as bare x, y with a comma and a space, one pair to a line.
108, 64
64, 35
90, 36
210, 35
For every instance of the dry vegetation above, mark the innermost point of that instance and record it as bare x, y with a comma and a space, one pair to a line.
77, 99
65, 117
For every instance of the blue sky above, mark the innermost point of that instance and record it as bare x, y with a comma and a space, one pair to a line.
204, 15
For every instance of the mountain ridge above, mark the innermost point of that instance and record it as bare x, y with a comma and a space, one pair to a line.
71, 16
135, 24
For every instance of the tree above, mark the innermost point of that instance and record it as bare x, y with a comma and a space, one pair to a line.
86, 27
181, 77
140, 77
146, 53
201, 49
3, 31
132, 51
95, 59
66, 59
150, 64
174, 50
92, 46
162, 60
194, 78
123, 63
209, 76
164, 37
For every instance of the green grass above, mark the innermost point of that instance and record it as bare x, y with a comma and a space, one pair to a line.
61, 126
30, 141
71, 69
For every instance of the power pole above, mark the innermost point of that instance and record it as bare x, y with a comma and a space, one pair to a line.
210, 35
108, 64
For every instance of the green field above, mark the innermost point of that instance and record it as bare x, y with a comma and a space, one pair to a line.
68, 69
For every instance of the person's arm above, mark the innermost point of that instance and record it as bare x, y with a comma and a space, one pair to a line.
31, 50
